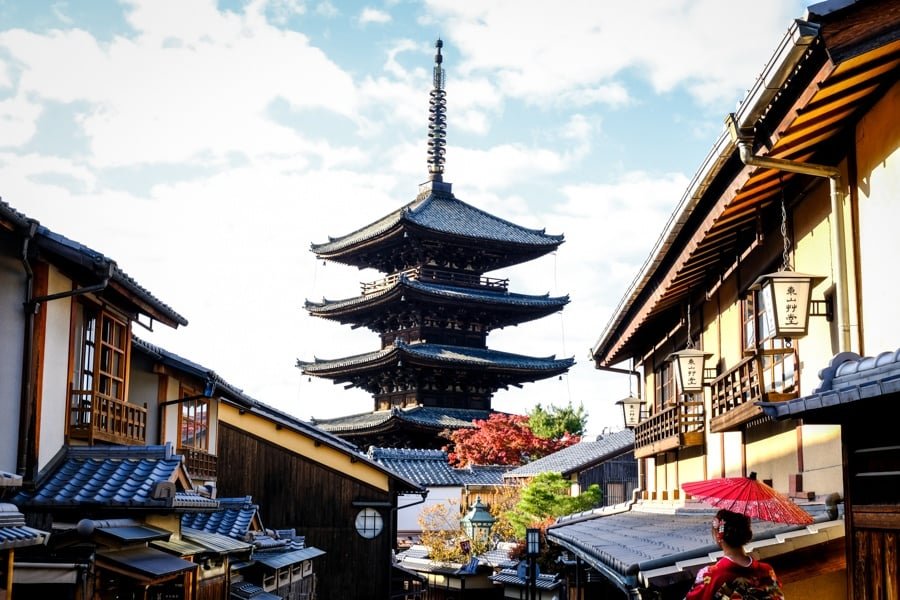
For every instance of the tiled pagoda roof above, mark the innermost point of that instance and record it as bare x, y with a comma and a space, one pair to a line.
523, 306
429, 417
441, 214
424, 353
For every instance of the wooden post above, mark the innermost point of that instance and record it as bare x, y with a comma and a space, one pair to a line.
9, 573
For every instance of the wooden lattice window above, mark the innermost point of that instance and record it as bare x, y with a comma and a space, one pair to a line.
193, 421
100, 349
664, 382
777, 358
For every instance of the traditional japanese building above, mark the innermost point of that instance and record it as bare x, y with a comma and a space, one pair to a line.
433, 310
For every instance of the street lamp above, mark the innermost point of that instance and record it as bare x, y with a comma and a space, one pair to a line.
689, 364
786, 301
631, 411
478, 521
532, 550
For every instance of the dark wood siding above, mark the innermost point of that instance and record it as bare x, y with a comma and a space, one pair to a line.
293, 491
617, 478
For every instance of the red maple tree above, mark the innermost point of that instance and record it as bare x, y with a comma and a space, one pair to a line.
501, 439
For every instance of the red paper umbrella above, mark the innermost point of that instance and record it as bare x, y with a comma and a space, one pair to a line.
748, 496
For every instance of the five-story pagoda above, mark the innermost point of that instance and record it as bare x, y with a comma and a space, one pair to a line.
433, 310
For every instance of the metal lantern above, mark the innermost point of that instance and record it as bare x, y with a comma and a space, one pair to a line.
478, 521
532, 542
689, 365
785, 297
631, 411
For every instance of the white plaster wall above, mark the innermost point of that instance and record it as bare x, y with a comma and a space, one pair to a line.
878, 140
12, 332
408, 518
143, 387
54, 395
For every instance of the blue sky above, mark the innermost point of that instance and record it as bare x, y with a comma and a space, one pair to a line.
205, 145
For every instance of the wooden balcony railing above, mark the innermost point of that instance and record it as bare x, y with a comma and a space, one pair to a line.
437, 276
677, 427
735, 394
200, 463
97, 417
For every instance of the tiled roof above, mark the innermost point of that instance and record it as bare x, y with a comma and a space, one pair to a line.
431, 468
225, 390
125, 476
13, 531
439, 291
578, 456
848, 378
80, 255
245, 590
278, 560
425, 467
648, 544
234, 517
425, 416
513, 577
483, 474
214, 542
460, 356
444, 214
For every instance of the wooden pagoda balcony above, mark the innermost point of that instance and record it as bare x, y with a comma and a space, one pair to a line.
735, 394
680, 426
200, 463
96, 417
437, 276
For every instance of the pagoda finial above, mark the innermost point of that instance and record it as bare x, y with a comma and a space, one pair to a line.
437, 119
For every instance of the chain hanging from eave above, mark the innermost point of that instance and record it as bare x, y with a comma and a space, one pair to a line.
786, 253
437, 119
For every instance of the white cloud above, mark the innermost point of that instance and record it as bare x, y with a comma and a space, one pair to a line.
18, 120
589, 45
327, 9
373, 15
188, 88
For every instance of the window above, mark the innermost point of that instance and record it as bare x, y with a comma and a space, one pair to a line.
777, 358
100, 348
369, 523
664, 380
193, 421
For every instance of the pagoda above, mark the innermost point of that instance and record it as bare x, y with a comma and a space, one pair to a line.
433, 310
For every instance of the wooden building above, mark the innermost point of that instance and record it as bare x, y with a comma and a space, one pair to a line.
607, 461
300, 476
433, 310
802, 180
855, 389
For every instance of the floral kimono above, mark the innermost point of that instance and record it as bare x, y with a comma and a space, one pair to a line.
727, 580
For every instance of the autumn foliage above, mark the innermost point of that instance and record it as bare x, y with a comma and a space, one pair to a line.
502, 439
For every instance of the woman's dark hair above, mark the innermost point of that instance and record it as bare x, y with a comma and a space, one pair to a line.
736, 531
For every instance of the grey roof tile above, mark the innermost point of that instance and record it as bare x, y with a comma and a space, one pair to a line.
106, 476
848, 378
234, 518
13, 531
431, 468
635, 541
578, 456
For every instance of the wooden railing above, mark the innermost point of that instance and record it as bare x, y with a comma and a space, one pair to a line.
95, 416
677, 427
436, 276
200, 463
735, 394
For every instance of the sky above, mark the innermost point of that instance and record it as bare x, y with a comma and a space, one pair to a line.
205, 145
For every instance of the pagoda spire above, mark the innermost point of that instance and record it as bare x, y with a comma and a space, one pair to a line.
437, 119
